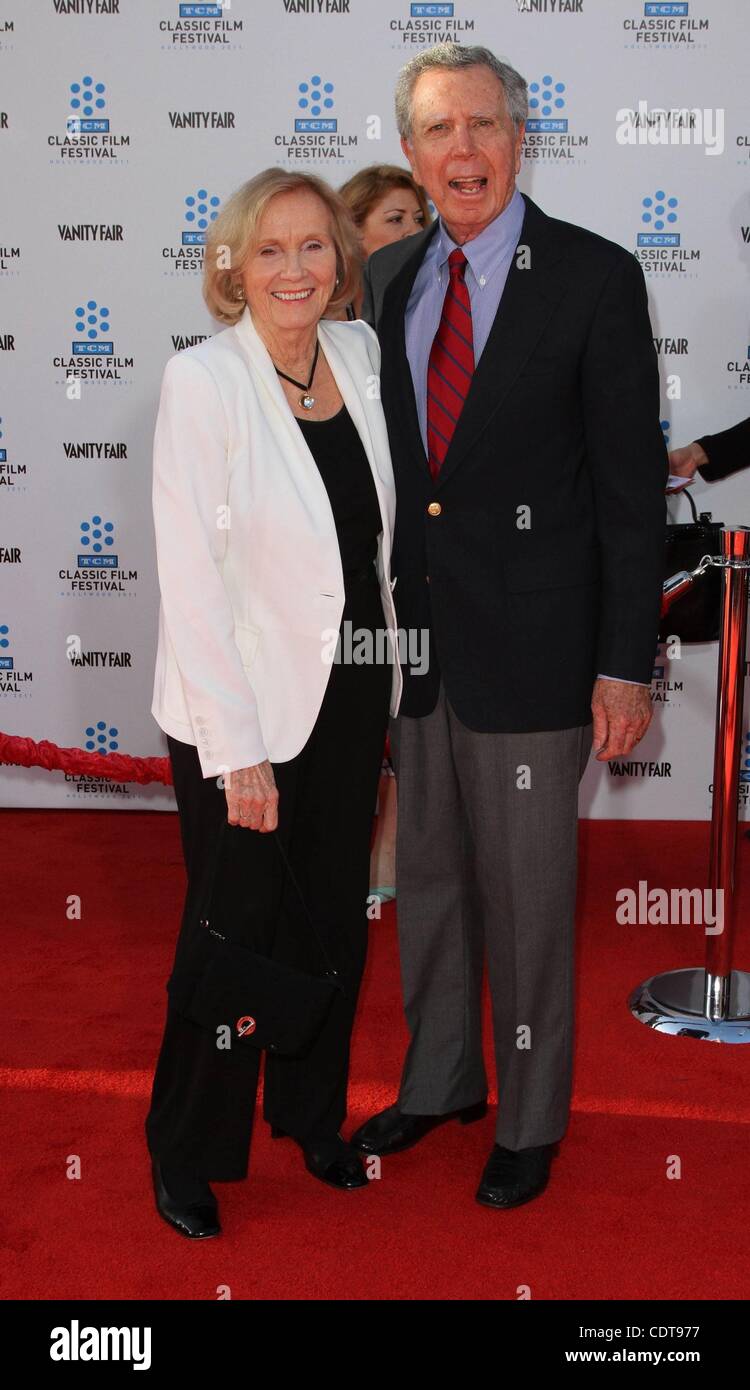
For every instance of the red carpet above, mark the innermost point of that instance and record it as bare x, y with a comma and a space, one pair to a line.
84, 1012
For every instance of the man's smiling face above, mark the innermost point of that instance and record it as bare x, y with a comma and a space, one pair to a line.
464, 148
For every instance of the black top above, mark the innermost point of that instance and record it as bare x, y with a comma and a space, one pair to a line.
727, 452
344, 467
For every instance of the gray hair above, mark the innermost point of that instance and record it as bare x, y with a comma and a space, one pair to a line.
454, 55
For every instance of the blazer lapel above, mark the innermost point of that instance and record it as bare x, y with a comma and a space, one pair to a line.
395, 370
280, 419
527, 302
291, 439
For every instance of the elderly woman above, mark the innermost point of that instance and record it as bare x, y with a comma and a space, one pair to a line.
273, 507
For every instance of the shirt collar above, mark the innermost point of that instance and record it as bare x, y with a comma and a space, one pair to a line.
486, 252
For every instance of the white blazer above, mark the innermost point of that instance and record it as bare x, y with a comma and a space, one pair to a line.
248, 559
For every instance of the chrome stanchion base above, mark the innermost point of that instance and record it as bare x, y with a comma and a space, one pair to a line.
674, 1002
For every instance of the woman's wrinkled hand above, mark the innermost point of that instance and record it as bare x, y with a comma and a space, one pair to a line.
252, 797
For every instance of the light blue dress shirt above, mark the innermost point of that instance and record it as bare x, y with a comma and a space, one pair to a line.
489, 258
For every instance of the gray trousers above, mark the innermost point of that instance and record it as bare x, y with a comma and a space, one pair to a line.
486, 859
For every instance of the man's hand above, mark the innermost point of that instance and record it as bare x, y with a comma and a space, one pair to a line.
622, 714
252, 797
684, 462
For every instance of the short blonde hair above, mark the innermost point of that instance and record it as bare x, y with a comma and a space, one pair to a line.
231, 237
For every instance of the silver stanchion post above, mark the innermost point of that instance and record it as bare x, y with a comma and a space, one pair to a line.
714, 1003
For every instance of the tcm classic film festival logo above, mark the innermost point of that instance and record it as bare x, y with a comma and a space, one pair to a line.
92, 358
424, 25
185, 27
317, 132
10, 262
549, 132
738, 372
667, 682
743, 795
673, 24
15, 680
102, 737
660, 245
185, 256
88, 132
97, 571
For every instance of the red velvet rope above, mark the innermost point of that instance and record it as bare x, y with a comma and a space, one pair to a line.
117, 767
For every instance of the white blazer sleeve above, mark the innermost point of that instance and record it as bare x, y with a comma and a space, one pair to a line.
190, 484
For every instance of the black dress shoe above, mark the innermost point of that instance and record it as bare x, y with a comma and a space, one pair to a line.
196, 1216
514, 1176
329, 1158
392, 1130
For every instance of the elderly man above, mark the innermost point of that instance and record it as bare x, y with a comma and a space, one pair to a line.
520, 387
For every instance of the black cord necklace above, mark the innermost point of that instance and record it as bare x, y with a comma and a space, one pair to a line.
306, 400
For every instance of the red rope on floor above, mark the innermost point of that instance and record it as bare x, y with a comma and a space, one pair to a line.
117, 767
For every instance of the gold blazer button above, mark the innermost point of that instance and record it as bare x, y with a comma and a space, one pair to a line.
434, 509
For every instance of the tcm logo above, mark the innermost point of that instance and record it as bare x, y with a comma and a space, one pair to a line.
96, 540
658, 215
315, 98
87, 102
658, 9
93, 321
546, 102
201, 209
101, 738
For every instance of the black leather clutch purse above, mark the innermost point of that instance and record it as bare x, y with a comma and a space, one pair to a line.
696, 616
262, 1002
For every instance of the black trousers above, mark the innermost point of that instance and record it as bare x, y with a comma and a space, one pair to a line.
203, 1097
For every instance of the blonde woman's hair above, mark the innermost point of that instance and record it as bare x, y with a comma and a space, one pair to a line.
231, 237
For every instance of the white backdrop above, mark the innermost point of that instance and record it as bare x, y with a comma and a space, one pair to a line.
100, 275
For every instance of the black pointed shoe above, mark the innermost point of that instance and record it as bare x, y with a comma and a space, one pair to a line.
197, 1218
331, 1159
393, 1130
514, 1176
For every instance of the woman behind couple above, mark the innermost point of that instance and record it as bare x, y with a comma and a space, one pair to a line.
273, 506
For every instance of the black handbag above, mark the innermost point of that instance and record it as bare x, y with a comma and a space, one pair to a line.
695, 617
264, 1003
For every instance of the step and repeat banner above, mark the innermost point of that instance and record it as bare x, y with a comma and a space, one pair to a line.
124, 124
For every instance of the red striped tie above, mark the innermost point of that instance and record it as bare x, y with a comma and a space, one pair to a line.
451, 364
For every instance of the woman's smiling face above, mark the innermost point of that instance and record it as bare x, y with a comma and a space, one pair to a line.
290, 273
